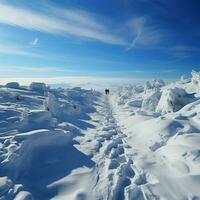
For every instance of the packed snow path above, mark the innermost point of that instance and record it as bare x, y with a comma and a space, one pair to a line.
113, 168
113, 176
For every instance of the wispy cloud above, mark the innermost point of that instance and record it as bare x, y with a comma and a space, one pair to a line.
144, 34
82, 17
34, 42
136, 26
34, 69
56, 21
16, 50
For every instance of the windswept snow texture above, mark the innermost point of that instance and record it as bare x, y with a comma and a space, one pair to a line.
141, 142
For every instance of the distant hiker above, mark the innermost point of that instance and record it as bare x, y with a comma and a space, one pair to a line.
107, 91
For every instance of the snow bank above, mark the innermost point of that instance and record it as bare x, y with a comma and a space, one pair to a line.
36, 119
43, 157
164, 146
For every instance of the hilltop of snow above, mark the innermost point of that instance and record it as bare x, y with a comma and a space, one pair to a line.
140, 142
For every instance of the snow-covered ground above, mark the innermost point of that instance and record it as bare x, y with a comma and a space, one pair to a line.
138, 143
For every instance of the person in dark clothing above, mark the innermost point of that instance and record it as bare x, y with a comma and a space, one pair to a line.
107, 91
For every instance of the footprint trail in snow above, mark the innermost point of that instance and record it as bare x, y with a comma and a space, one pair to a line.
114, 167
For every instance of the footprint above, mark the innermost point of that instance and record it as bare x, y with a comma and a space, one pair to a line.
107, 135
140, 179
113, 164
121, 159
100, 139
134, 193
113, 132
109, 147
126, 170
120, 150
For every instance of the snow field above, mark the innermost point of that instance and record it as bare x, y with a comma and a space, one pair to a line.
139, 143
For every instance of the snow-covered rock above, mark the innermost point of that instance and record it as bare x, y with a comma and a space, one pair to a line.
150, 101
128, 92
185, 79
158, 83
60, 107
14, 85
173, 100
195, 82
195, 77
41, 88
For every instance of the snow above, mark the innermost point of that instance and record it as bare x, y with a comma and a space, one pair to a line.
173, 100
8, 190
150, 101
140, 142
38, 87
13, 85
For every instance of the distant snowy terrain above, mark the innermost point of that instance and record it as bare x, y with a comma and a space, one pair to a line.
141, 142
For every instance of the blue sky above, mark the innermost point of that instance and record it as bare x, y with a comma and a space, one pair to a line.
130, 39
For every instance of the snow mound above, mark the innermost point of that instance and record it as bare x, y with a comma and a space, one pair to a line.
173, 99
14, 85
38, 87
127, 92
60, 107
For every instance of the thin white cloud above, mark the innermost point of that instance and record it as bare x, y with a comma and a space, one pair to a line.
34, 42
16, 50
41, 70
52, 23
82, 17
144, 35
136, 26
